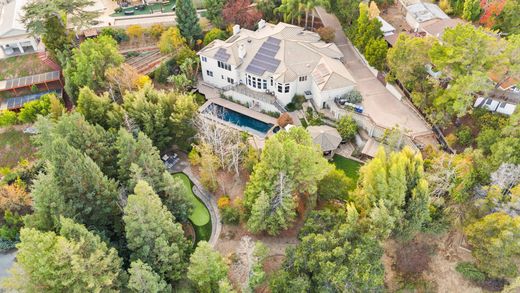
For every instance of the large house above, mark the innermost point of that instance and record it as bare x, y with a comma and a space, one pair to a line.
14, 38
271, 65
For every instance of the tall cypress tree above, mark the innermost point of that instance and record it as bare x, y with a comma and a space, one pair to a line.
79, 190
152, 234
188, 21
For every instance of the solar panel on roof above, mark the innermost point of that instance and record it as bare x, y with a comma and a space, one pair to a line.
222, 55
264, 58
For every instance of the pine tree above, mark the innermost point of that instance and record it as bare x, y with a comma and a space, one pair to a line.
79, 189
176, 197
144, 155
214, 12
91, 140
76, 260
207, 268
144, 280
288, 172
188, 21
152, 234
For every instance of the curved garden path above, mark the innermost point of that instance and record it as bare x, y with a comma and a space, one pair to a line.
210, 202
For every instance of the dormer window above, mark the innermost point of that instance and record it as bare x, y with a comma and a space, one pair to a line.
303, 78
204, 59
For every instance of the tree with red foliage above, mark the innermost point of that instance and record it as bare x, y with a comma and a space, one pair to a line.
240, 12
491, 9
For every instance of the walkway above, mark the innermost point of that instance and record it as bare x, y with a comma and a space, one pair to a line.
378, 102
210, 202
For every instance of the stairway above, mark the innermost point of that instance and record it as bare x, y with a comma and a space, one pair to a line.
44, 57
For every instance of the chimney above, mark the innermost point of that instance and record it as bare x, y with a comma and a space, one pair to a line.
236, 29
261, 24
241, 51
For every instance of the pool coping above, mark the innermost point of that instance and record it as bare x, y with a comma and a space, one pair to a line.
242, 110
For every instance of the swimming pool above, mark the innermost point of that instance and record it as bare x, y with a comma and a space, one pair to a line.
243, 121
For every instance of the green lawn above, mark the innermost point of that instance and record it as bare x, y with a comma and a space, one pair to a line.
20, 66
14, 147
350, 167
200, 215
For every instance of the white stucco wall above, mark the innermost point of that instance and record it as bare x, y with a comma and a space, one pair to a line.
220, 75
250, 101
321, 97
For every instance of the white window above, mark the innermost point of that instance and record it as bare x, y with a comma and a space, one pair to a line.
230, 80
283, 87
287, 88
210, 73
204, 59
224, 65
280, 88
303, 78
222, 76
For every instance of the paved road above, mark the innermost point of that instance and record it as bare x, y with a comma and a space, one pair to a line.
378, 102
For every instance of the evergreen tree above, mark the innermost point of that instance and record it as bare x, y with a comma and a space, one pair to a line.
214, 12
144, 280
91, 140
335, 185
334, 254
394, 192
144, 155
82, 191
289, 170
58, 41
176, 197
188, 21
88, 64
76, 260
153, 236
207, 268
99, 109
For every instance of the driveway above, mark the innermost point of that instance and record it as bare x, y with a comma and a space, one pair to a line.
378, 103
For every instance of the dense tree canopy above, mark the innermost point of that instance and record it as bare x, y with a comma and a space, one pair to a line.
152, 234
73, 260
88, 64
287, 174
207, 268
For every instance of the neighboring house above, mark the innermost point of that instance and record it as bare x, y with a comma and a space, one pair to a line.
500, 105
14, 38
420, 13
271, 65
436, 27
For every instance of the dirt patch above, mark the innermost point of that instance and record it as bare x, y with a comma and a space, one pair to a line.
394, 16
427, 264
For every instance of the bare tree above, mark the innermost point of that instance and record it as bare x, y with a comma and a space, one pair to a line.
441, 175
226, 143
250, 256
506, 177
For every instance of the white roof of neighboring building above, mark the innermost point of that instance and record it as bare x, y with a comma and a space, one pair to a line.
387, 28
422, 12
294, 52
10, 23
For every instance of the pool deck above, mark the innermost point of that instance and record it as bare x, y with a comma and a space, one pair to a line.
240, 109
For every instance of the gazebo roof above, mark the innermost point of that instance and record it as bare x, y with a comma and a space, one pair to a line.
327, 137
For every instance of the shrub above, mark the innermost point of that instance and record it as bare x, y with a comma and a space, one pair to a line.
464, 136
296, 103
469, 271
353, 97
32, 109
230, 215
156, 30
451, 139
6, 245
347, 128
327, 34
135, 31
214, 34
194, 157
117, 34
223, 201
7, 118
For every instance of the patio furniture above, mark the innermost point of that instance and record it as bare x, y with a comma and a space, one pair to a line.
128, 12
165, 157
